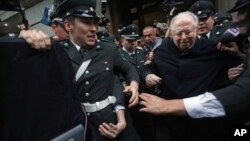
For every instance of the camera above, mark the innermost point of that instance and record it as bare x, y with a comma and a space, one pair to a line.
103, 21
168, 5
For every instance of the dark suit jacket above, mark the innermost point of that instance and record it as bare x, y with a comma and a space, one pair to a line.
186, 74
236, 97
39, 100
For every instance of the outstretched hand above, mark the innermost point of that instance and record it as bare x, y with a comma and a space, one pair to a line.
37, 39
111, 130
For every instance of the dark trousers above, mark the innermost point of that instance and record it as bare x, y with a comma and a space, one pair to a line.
143, 123
109, 116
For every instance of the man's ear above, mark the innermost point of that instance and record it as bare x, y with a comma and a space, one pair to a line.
68, 26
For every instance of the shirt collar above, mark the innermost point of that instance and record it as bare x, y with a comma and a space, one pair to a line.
130, 53
76, 45
208, 35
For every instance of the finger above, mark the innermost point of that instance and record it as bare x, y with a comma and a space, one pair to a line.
113, 126
241, 65
219, 46
114, 129
134, 102
143, 109
46, 40
143, 103
145, 96
125, 89
105, 132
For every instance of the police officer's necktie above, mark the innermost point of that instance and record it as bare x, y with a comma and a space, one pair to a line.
82, 52
133, 56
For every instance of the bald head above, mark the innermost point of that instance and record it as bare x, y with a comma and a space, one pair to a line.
149, 35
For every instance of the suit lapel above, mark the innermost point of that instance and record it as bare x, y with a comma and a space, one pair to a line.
92, 52
74, 54
128, 57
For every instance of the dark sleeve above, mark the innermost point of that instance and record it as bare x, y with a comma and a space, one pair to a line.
40, 93
147, 69
123, 67
118, 91
236, 97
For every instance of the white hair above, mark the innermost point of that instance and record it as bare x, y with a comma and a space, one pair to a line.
181, 16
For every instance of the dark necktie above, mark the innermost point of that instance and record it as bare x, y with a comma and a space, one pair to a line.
82, 52
204, 36
133, 56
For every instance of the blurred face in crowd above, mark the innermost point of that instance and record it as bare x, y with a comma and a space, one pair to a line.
149, 35
205, 25
59, 31
240, 16
184, 33
130, 45
82, 30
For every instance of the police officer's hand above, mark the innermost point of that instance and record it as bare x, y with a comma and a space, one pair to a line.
37, 39
152, 80
133, 90
234, 72
231, 48
111, 130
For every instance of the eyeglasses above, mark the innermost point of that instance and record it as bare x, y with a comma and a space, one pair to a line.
186, 33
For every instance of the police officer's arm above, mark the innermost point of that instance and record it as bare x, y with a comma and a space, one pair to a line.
130, 75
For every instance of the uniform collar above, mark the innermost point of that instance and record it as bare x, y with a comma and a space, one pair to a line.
129, 53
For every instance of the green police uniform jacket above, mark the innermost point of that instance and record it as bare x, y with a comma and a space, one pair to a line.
97, 81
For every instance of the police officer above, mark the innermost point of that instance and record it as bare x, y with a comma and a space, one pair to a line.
142, 122
105, 37
205, 12
129, 50
81, 21
102, 34
93, 62
223, 21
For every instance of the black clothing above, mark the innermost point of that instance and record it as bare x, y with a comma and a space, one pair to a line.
186, 74
236, 98
142, 122
39, 98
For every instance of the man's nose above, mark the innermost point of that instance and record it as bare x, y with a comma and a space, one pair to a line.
93, 27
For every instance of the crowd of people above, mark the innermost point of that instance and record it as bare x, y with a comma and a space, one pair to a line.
184, 79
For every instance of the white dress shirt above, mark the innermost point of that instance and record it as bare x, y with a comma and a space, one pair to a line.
204, 105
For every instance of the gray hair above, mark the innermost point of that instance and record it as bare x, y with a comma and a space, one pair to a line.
181, 15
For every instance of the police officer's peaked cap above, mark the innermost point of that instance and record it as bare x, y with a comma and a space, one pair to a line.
221, 16
131, 32
203, 9
79, 8
239, 5
102, 34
